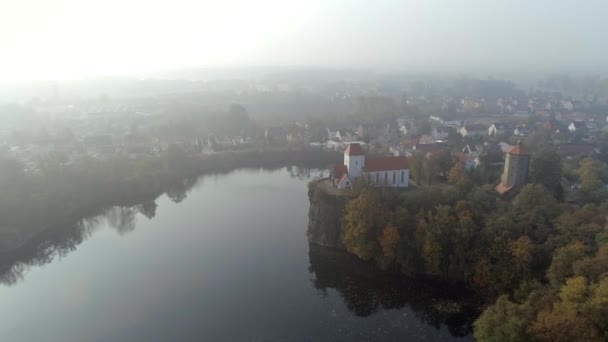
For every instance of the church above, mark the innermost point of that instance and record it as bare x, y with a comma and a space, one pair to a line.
382, 171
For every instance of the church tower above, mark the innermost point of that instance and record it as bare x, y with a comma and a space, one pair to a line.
354, 159
515, 173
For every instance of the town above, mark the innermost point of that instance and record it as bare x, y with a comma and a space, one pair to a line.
434, 125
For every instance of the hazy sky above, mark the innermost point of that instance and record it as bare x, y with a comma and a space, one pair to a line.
58, 39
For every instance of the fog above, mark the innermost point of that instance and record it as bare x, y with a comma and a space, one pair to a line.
67, 39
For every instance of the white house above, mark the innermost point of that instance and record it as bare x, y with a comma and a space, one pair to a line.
580, 126
440, 132
469, 130
382, 171
498, 128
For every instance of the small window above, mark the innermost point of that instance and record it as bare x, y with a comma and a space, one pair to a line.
385, 177
377, 177
402, 176
394, 177
356, 163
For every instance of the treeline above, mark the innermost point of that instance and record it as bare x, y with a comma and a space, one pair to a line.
61, 194
546, 261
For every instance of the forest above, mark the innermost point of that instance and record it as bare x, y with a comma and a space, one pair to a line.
540, 262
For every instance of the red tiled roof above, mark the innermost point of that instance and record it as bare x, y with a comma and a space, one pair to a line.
518, 150
340, 169
353, 150
574, 149
344, 177
385, 164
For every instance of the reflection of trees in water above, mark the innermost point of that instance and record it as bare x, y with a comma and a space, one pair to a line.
148, 209
366, 290
57, 243
60, 241
178, 191
122, 219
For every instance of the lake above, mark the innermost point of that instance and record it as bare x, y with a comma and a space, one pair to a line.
225, 258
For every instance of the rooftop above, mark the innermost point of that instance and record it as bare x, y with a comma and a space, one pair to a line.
385, 164
354, 150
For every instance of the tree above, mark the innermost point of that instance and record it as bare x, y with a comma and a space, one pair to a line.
389, 241
556, 326
534, 209
458, 177
503, 321
592, 174
563, 259
545, 169
593, 268
521, 250
365, 217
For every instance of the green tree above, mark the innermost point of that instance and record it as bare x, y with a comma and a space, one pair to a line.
592, 174
545, 169
503, 322
534, 209
563, 259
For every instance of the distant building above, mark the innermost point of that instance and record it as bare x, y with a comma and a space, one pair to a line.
515, 173
498, 128
577, 126
469, 130
383, 171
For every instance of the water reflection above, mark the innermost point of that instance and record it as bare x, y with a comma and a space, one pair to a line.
366, 290
59, 241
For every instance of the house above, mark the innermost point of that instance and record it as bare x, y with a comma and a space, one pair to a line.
521, 131
568, 105
429, 148
426, 139
471, 150
441, 132
470, 130
577, 126
498, 128
382, 171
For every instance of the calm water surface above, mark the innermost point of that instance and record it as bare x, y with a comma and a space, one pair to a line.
226, 261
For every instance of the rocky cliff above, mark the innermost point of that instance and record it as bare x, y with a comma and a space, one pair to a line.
326, 214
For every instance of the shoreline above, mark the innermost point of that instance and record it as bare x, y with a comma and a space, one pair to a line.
18, 238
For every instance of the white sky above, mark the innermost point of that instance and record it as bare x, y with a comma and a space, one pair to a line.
59, 39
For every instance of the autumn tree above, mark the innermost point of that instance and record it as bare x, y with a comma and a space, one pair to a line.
364, 219
389, 240
459, 177
503, 321
563, 259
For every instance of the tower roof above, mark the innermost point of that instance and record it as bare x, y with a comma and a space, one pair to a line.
354, 150
518, 149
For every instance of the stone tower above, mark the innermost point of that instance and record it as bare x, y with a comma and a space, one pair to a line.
515, 174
